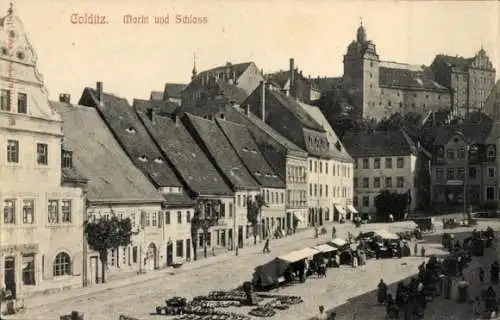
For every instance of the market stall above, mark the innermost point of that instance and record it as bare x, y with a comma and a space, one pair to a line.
270, 274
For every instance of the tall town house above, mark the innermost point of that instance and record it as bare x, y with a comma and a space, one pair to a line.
382, 88
41, 236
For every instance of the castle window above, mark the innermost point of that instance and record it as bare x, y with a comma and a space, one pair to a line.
67, 159
389, 103
380, 103
371, 85
20, 55
371, 75
414, 95
4, 51
400, 104
371, 64
22, 103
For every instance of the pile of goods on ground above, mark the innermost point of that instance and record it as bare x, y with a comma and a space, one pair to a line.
262, 312
201, 302
214, 316
173, 306
288, 300
277, 304
234, 295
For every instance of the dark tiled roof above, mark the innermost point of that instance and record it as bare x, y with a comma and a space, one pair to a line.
96, 153
174, 90
477, 133
326, 84
176, 200
222, 152
183, 152
337, 149
454, 62
494, 133
238, 68
232, 92
161, 107
378, 144
244, 144
293, 106
72, 174
407, 79
128, 129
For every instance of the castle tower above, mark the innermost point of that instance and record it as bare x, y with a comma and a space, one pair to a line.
361, 73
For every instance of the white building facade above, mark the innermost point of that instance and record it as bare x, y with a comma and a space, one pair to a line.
41, 232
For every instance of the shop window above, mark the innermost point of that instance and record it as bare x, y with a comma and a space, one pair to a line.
366, 201
62, 265
490, 193
29, 270
179, 248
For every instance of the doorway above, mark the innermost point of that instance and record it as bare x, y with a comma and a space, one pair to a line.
288, 220
10, 275
170, 254
188, 249
151, 257
240, 236
230, 238
94, 270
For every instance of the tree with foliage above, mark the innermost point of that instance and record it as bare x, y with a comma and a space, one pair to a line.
107, 233
388, 202
206, 215
254, 212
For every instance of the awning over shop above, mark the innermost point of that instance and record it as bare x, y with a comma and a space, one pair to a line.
297, 255
352, 209
324, 248
337, 242
340, 208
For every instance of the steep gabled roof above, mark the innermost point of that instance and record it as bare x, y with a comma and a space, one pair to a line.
192, 164
173, 90
160, 106
232, 92
379, 144
337, 149
245, 146
293, 106
112, 175
219, 148
460, 63
238, 68
129, 131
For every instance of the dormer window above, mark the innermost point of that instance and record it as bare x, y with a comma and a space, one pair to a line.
257, 173
67, 159
254, 151
338, 146
143, 159
130, 130
245, 149
268, 175
158, 160
491, 153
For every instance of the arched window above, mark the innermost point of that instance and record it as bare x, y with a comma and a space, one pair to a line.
62, 265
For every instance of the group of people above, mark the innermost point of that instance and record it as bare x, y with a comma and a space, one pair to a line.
410, 299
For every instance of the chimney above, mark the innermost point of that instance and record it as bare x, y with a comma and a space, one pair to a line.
247, 110
100, 93
65, 98
263, 100
292, 70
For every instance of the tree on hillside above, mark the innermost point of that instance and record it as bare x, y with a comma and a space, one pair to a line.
254, 213
105, 234
389, 202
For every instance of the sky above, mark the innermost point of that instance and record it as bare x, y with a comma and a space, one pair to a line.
131, 60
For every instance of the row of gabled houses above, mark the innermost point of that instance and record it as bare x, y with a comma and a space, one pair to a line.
207, 148
158, 164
